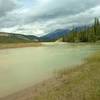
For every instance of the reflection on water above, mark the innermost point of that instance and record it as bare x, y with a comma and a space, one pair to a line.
22, 67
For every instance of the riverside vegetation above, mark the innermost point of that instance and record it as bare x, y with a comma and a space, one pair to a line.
18, 45
80, 83
86, 34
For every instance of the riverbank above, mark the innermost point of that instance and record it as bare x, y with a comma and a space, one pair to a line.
80, 83
18, 45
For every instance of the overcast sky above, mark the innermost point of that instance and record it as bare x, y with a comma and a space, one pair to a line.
39, 17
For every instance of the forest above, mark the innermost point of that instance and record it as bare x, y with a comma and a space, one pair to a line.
87, 34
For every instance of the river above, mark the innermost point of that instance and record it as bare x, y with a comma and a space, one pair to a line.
21, 68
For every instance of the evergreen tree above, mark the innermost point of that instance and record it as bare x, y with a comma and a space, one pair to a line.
89, 34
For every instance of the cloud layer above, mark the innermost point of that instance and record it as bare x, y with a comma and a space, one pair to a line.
39, 17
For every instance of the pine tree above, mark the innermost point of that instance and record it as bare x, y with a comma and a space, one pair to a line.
96, 26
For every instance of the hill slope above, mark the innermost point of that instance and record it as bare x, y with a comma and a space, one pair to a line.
16, 38
53, 36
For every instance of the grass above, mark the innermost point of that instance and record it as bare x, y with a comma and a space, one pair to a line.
18, 45
79, 83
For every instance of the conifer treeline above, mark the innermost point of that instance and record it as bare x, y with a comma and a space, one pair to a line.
88, 34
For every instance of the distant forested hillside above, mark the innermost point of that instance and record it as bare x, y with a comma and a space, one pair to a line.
88, 34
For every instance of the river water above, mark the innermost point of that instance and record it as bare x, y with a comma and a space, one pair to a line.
23, 67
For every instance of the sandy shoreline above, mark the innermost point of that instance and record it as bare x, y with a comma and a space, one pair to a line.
28, 93
18, 45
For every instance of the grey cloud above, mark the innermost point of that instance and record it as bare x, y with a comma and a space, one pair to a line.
6, 6
52, 15
61, 8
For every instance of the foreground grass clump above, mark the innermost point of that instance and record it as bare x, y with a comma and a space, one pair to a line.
80, 83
